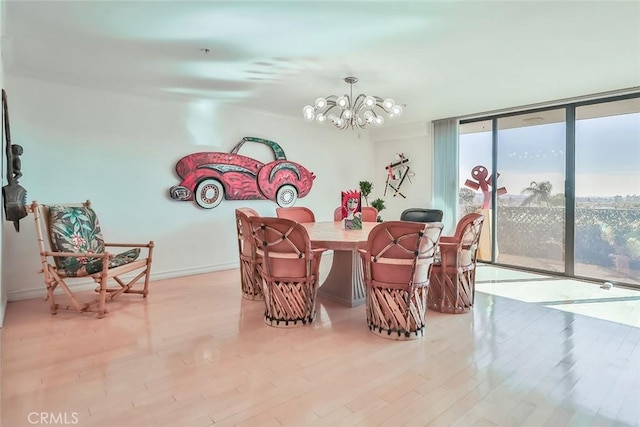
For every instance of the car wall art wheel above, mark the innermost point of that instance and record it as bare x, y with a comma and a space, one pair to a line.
209, 193
286, 196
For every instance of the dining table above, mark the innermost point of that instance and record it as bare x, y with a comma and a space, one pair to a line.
345, 282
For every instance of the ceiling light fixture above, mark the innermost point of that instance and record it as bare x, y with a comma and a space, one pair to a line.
346, 112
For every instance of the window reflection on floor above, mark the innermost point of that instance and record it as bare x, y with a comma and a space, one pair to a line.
617, 304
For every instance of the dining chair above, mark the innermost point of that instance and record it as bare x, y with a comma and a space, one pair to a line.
369, 214
421, 215
296, 213
75, 248
250, 280
397, 262
289, 271
454, 275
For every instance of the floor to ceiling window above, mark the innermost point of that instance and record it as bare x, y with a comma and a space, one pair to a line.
531, 215
475, 156
607, 191
568, 187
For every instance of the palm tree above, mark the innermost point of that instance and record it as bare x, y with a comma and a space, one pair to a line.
539, 192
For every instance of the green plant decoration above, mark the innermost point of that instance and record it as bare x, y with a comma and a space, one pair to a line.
365, 190
379, 205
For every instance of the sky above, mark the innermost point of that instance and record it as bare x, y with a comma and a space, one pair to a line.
607, 156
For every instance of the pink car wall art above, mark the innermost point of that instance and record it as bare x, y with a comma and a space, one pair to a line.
208, 177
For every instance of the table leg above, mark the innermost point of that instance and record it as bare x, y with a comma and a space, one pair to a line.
345, 282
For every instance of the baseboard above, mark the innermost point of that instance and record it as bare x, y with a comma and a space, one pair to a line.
88, 284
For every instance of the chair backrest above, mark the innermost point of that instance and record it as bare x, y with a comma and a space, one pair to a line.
421, 215
467, 236
296, 213
69, 228
369, 214
399, 254
243, 228
284, 246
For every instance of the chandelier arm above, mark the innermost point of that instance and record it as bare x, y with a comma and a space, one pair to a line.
359, 103
381, 106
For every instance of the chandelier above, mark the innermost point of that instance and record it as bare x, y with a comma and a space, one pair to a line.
347, 112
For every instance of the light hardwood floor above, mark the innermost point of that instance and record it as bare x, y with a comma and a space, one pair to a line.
534, 351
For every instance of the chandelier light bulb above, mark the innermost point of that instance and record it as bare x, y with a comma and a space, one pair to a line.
352, 111
388, 104
369, 101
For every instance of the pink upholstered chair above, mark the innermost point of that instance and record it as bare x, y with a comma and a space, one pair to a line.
369, 214
337, 214
397, 265
296, 213
289, 271
250, 279
453, 280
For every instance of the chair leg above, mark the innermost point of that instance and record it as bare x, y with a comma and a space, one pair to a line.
53, 307
57, 281
103, 296
145, 290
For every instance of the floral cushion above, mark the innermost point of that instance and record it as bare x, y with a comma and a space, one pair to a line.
76, 229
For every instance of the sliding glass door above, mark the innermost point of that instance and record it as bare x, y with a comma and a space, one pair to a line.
531, 214
607, 191
567, 196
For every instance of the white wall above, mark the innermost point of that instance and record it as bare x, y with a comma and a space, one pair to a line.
416, 142
120, 151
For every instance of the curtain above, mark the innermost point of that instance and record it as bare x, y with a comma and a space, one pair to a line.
445, 171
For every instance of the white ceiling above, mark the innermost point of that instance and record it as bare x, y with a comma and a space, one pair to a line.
440, 59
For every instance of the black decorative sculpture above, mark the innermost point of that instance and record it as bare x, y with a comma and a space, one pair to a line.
13, 194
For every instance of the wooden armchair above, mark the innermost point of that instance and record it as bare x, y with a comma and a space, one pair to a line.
75, 248
250, 279
296, 213
454, 276
397, 266
289, 271
369, 214
337, 214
